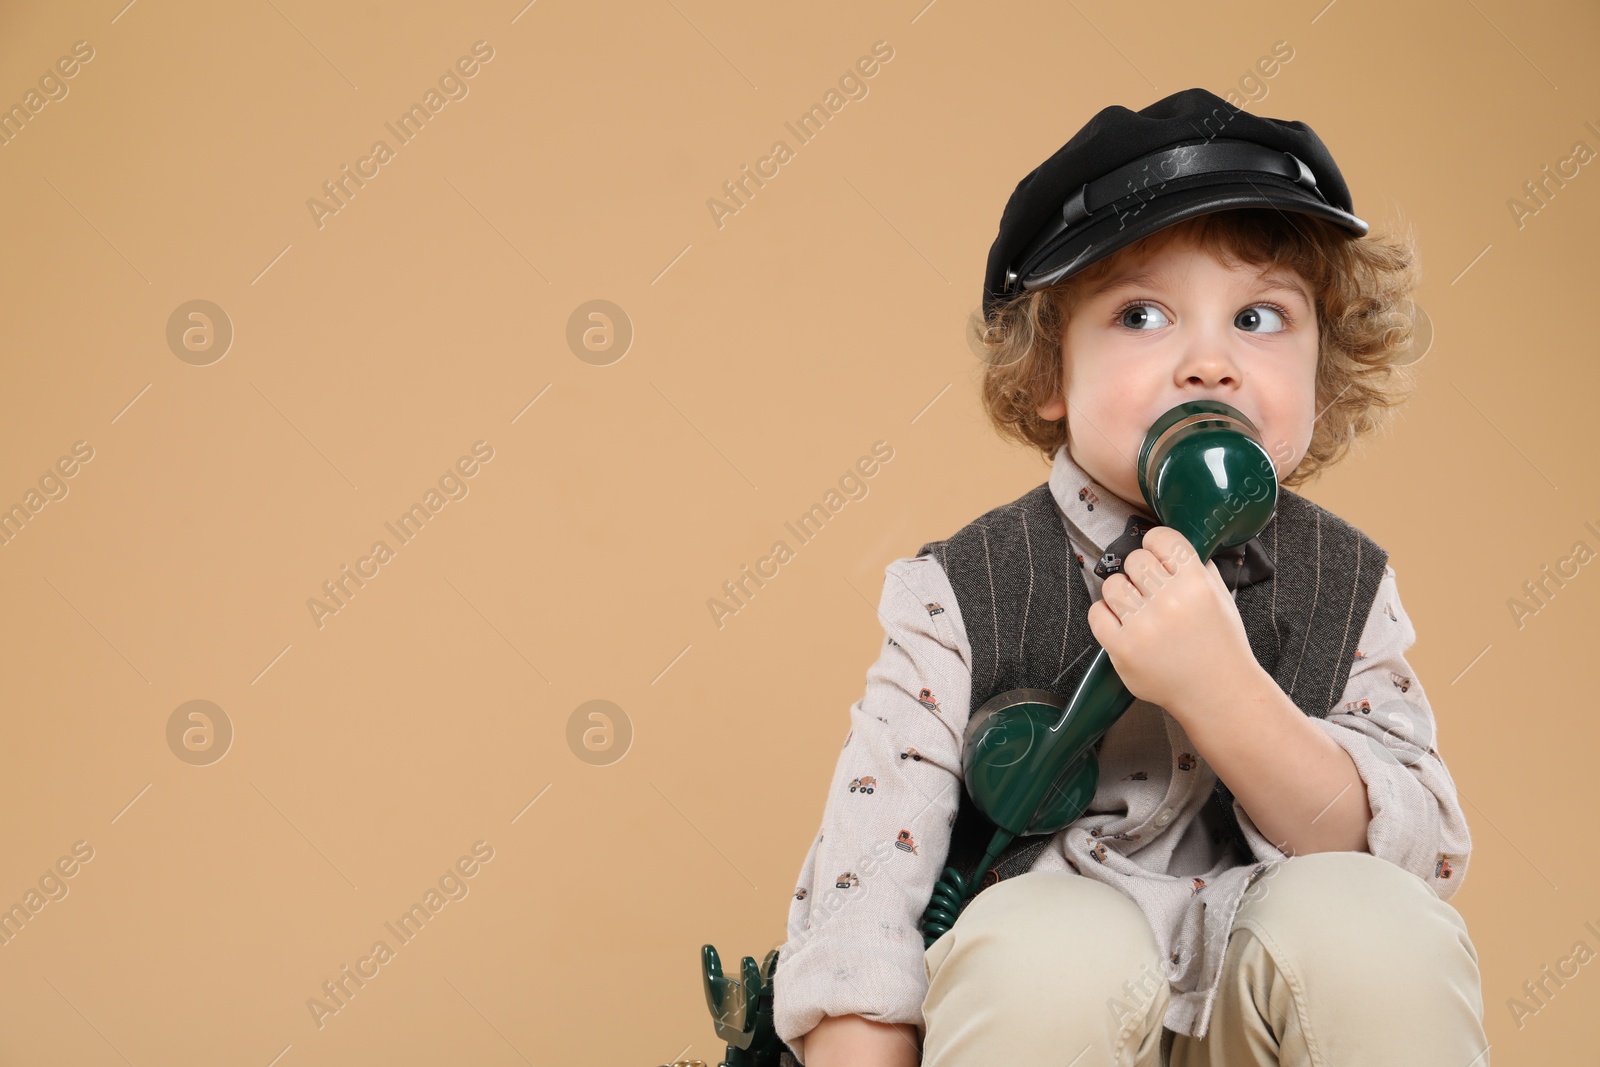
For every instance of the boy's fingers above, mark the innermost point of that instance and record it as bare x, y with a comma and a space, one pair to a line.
1147, 571
1106, 602
1170, 546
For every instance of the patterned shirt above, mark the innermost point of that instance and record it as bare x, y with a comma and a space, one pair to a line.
854, 941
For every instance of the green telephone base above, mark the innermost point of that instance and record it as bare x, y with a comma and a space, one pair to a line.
741, 1011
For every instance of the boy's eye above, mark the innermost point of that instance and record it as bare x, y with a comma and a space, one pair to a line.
1137, 317
1259, 319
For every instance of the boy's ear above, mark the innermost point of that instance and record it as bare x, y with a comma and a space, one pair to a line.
1053, 409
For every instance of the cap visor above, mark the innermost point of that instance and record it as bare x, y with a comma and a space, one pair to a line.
1111, 230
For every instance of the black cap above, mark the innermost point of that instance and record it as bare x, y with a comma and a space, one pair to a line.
1127, 174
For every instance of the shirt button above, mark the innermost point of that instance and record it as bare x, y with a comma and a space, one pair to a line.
1164, 817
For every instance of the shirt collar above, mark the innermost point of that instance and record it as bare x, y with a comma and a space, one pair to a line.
1094, 514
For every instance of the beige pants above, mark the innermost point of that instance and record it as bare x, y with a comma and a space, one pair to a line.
1335, 959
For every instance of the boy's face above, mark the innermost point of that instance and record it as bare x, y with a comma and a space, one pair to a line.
1180, 325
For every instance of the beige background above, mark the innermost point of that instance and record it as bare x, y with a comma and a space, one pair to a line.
767, 356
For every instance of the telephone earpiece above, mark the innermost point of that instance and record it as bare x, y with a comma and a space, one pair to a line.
1028, 756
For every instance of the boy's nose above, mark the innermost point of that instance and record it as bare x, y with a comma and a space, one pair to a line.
1207, 362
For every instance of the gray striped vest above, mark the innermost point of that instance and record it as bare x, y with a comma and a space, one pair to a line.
1025, 606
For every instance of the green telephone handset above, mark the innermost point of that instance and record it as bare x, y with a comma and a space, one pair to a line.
1028, 757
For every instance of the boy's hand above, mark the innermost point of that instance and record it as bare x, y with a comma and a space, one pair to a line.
1170, 625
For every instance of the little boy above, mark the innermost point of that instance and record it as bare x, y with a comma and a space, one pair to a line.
1260, 877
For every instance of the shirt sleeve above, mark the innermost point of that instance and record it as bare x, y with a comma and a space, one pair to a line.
1386, 724
854, 940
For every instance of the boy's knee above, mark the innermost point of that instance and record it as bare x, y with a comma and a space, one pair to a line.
1058, 932
1324, 909
1062, 907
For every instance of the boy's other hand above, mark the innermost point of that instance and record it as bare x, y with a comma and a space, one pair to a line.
1170, 625
851, 1041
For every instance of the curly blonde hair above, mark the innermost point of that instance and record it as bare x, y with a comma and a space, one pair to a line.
1366, 321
